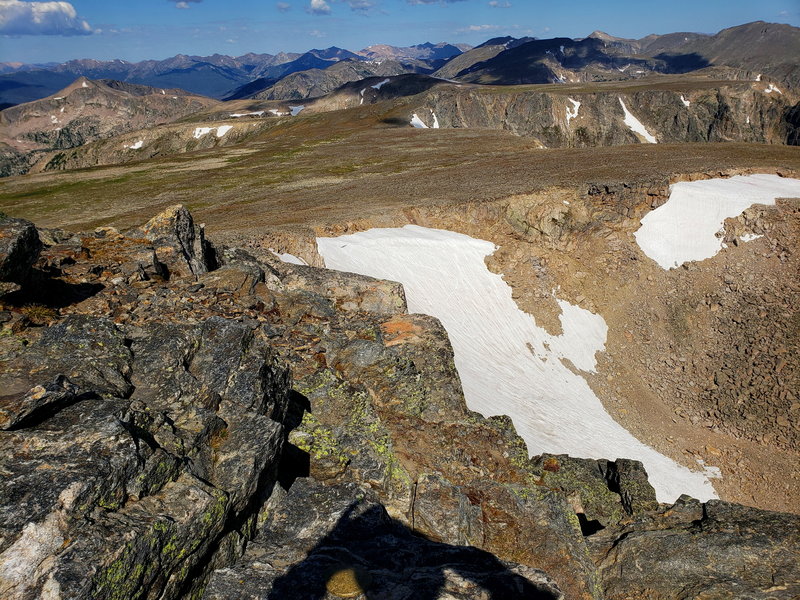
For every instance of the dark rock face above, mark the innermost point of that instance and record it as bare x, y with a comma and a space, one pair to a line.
178, 243
693, 550
205, 422
19, 248
135, 458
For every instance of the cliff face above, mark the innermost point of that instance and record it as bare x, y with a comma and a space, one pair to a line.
738, 112
156, 445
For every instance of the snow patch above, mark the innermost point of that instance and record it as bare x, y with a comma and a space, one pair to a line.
507, 364
378, 86
636, 126
748, 120
684, 228
84, 84
135, 146
295, 110
221, 130
749, 237
561, 49
163, 93
277, 113
289, 258
417, 122
256, 113
435, 120
686, 103
573, 112
53, 119
772, 88
758, 77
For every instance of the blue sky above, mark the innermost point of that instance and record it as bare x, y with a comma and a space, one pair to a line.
142, 29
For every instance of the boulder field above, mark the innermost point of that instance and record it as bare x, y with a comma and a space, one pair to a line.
180, 419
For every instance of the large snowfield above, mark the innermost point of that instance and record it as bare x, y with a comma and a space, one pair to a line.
684, 228
508, 365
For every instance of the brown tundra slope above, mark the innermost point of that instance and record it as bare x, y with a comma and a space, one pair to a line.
86, 111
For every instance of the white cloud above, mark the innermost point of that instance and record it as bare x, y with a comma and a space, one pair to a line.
361, 5
184, 3
317, 33
473, 28
283, 6
319, 7
41, 18
500, 4
432, 1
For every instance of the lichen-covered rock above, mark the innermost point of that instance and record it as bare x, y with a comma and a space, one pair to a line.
602, 492
713, 551
126, 496
19, 249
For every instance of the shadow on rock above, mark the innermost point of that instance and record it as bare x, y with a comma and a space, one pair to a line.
370, 555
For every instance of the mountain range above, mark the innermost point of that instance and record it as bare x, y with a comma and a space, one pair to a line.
766, 48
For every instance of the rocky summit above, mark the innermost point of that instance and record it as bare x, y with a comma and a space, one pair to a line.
181, 419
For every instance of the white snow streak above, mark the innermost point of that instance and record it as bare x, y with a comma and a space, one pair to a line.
683, 229
84, 84
201, 131
257, 113
378, 86
636, 126
573, 112
686, 103
749, 237
296, 110
135, 146
223, 129
435, 121
417, 122
772, 88
507, 364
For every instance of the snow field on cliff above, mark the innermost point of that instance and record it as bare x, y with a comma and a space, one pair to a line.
507, 364
684, 228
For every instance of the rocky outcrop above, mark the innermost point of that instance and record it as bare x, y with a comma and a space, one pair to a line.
205, 423
589, 117
19, 249
641, 559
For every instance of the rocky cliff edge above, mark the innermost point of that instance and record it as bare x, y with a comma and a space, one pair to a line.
183, 420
